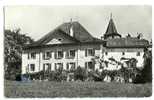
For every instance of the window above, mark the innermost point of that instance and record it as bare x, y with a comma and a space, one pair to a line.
72, 53
59, 39
70, 66
89, 65
59, 54
47, 55
33, 55
123, 53
58, 66
32, 67
138, 54
47, 67
106, 53
90, 52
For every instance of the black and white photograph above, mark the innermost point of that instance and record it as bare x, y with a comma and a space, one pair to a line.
70, 51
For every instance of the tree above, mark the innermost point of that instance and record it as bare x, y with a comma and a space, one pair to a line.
13, 46
147, 70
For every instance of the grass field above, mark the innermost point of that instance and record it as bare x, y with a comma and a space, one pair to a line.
75, 89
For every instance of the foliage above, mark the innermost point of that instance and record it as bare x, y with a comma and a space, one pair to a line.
80, 73
13, 45
146, 73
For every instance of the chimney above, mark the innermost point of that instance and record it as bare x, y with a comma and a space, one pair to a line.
71, 28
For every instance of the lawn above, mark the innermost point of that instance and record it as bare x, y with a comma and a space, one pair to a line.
15, 89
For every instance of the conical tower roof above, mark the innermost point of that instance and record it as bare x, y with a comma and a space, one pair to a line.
111, 29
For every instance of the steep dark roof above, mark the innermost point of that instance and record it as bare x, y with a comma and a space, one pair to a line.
81, 35
111, 30
127, 42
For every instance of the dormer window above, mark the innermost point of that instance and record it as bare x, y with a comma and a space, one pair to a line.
60, 39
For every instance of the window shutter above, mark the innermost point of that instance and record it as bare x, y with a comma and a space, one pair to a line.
67, 66
93, 52
62, 65
27, 69
43, 55
43, 67
55, 66
67, 54
74, 65
75, 52
86, 52
55, 55
85, 65
49, 67
34, 55
50, 54
62, 53
28, 55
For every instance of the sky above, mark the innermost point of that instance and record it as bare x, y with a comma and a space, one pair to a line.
36, 21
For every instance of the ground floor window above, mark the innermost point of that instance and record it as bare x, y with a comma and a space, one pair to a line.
70, 66
58, 66
32, 67
47, 67
89, 65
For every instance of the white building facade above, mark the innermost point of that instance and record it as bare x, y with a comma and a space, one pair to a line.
70, 45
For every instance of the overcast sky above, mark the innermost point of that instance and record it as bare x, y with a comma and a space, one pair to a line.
39, 20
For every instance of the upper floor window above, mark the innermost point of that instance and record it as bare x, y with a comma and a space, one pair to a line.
32, 67
72, 53
47, 55
90, 52
138, 54
32, 55
60, 54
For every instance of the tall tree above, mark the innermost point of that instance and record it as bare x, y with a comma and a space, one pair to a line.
13, 45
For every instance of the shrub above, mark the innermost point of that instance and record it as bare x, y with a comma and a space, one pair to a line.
80, 74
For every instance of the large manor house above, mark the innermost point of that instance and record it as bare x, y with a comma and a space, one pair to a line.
70, 45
